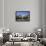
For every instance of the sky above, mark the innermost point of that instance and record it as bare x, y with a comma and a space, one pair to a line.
22, 13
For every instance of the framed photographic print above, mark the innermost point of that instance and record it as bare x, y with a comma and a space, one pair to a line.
22, 15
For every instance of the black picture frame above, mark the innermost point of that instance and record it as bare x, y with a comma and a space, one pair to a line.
22, 16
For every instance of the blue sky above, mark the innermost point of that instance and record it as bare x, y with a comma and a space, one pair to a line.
22, 13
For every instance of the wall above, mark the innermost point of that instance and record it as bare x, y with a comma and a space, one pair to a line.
1, 15
44, 18
34, 6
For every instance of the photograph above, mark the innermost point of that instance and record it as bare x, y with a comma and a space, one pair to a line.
22, 15
22, 22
